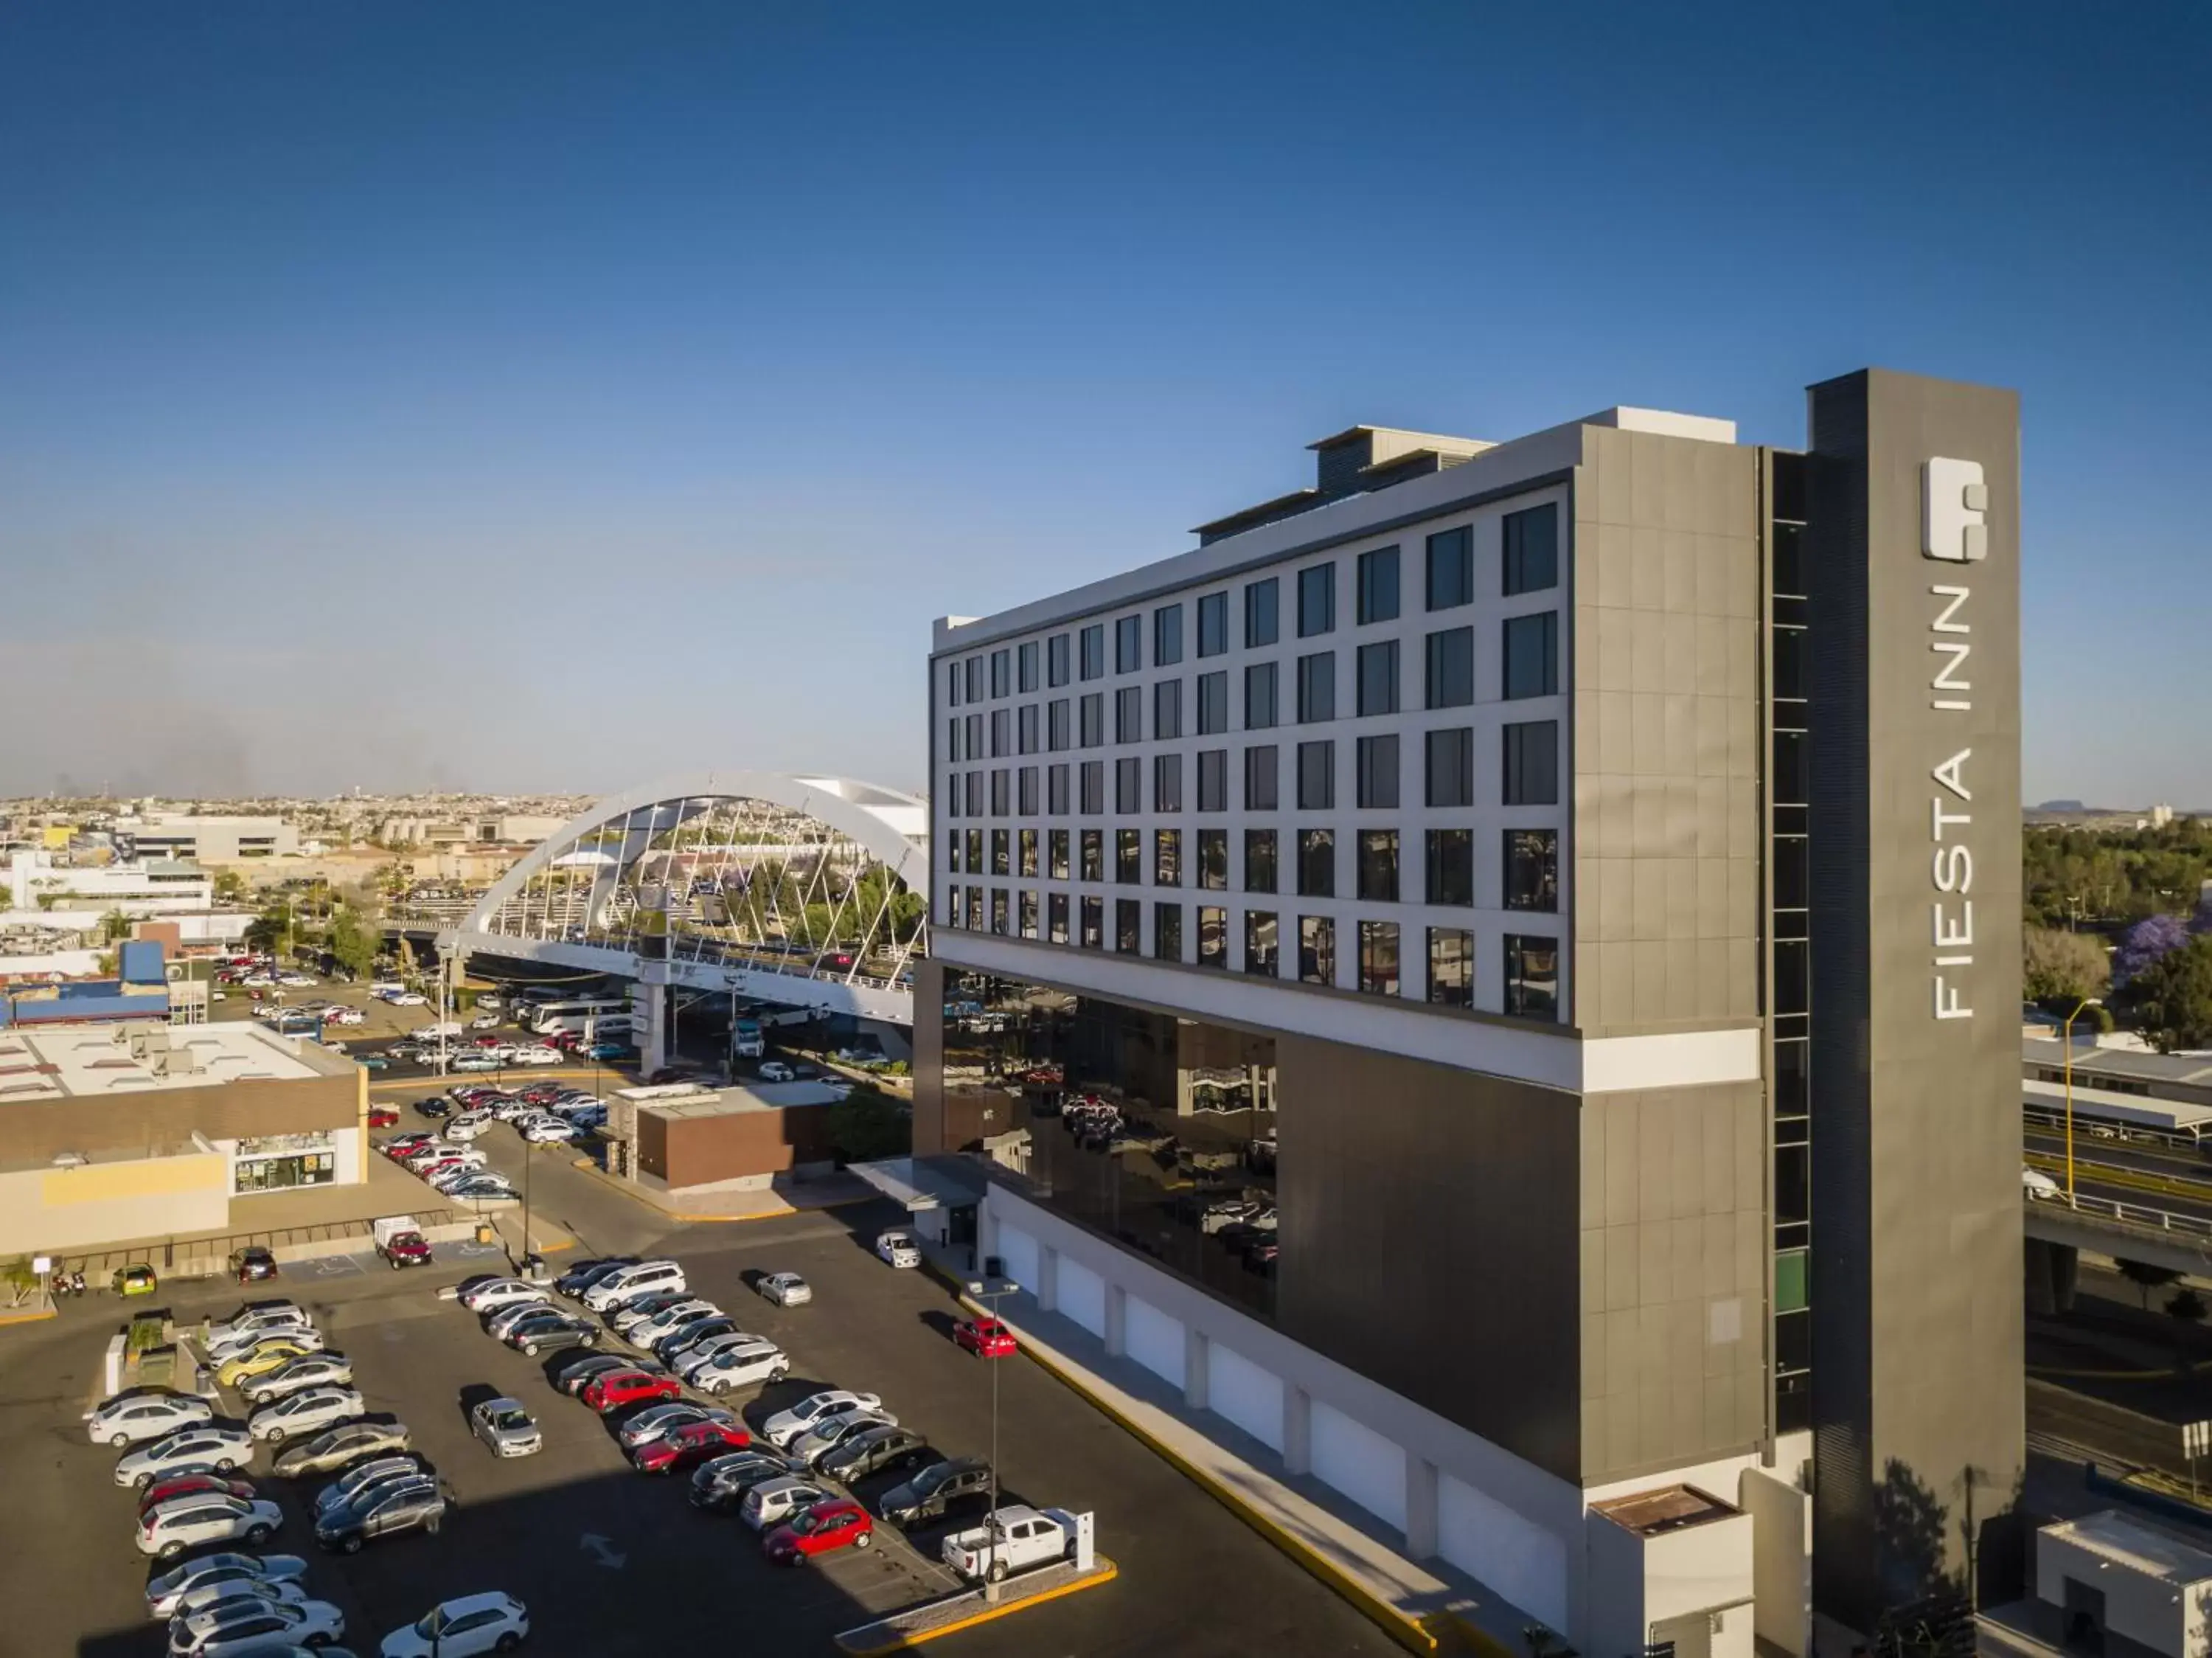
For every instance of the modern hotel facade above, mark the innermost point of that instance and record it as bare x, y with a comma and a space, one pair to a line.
1546, 914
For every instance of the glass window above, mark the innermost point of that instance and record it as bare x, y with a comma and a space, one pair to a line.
1378, 958
1056, 853
999, 910
1378, 866
1451, 568
1789, 1281
1532, 763
1128, 644
1316, 601
975, 851
1001, 857
1026, 667
1451, 866
1056, 918
1532, 550
1094, 854
1129, 857
1451, 766
1093, 936
1129, 714
1025, 800
1028, 915
1129, 785
974, 678
1259, 859
1378, 678
1055, 660
975, 909
1316, 950
1129, 924
1167, 709
1056, 725
1166, 932
1026, 852
1055, 788
1260, 781
1789, 560
1002, 672
1532, 667
1094, 650
1317, 688
952, 853
952, 684
1092, 709
1025, 728
999, 793
952, 737
1317, 776
1213, 625
1002, 732
1378, 773
1451, 967
1213, 860
1094, 788
1317, 864
1451, 680
1212, 936
1259, 942
1531, 976
974, 794
1378, 586
1167, 635
1213, 780
1167, 857
1260, 625
1791, 877
1789, 663
975, 743
1259, 696
1532, 869
1790, 783
1213, 702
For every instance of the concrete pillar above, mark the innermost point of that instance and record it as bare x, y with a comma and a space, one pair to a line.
1048, 1283
1420, 1508
1195, 1351
1298, 1430
1117, 1319
2052, 1269
652, 1043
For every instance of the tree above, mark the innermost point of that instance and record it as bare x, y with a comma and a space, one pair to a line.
2171, 1000
353, 944
2061, 968
866, 1125
2186, 1307
266, 930
2145, 943
114, 927
2146, 1277
229, 887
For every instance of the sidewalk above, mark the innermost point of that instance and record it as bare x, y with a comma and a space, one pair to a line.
1352, 1553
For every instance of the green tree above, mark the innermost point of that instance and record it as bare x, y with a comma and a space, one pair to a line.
353, 942
2171, 1000
2146, 1277
866, 1125
2186, 1307
266, 930
2059, 968
229, 887
114, 926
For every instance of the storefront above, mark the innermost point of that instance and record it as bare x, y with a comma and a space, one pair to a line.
280, 1162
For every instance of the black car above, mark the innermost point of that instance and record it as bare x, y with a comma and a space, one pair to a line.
435, 1107
252, 1265
941, 1489
576, 1377
715, 1324
384, 1510
550, 1334
873, 1450
721, 1484
581, 1276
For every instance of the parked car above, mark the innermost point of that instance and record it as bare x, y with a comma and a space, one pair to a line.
463, 1628
687, 1447
551, 1333
311, 1370
583, 1275
985, 1338
576, 1376
480, 1187
383, 1117
538, 1054
436, 1108
785, 1427
497, 1325
646, 1332
769, 1503
744, 1362
775, 1071
1010, 1540
665, 1417
383, 1510
134, 1417
236, 1628
193, 1522
898, 1248
786, 1289
825, 1529
350, 1487
168, 1490
257, 1319
208, 1446
506, 1428
237, 1366
626, 1283
832, 1428
617, 1390
304, 1412
401, 1242
672, 1344
469, 1124
167, 1594
495, 1294
941, 1489
221, 1596
872, 1450
339, 1447
721, 1484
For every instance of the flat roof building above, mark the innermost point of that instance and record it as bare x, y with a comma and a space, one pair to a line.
1531, 905
208, 840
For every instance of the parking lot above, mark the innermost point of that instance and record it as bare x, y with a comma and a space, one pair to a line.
611, 1561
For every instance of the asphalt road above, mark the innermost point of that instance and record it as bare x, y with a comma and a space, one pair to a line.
612, 1561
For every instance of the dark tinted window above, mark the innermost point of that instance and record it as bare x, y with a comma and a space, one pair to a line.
1531, 549
1378, 678
1316, 601
1532, 668
1167, 635
1055, 659
1532, 763
1378, 773
1450, 859
1316, 776
1213, 702
1317, 864
1317, 688
1450, 679
1532, 869
1261, 783
1451, 568
1213, 625
1378, 586
1261, 626
1451, 766
1094, 650
1128, 644
1260, 860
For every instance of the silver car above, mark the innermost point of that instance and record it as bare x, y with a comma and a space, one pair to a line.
768, 1504
658, 1421
303, 1412
786, 1289
168, 1593
209, 1446
833, 1430
341, 1491
505, 1427
133, 1418
314, 1370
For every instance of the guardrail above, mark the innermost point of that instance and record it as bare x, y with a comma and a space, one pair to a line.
2139, 1214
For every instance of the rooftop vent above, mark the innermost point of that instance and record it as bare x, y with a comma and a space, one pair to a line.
1357, 460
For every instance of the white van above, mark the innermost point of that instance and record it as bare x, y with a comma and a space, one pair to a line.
646, 1278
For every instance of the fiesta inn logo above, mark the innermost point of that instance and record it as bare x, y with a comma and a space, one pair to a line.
1954, 505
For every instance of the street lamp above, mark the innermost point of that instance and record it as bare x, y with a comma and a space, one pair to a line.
990, 1518
2066, 1035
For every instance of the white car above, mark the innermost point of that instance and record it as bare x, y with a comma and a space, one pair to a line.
776, 1071
408, 999
344, 1016
263, 1318
297, 981
500, 1293
189, 1523
469, 1124
546, 1130
646, 1332
169, 1593
1010, 1540
304, 1412
464, 1628
833, 1427
219, 1354
736, 1360
220, 1597
786, 1289
898, 1248
211, 1445
785, 1426
538, 1054
258, 1628
771, 1502
133, 1418
314, 1370
487, 1020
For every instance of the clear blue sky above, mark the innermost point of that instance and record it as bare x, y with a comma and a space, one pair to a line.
547, 395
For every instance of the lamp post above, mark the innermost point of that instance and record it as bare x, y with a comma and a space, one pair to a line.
2066, 1035
990, 1518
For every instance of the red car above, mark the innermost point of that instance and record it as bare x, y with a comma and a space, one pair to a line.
399, 1145
987, 1339
618, 1390
540, 1093
383, 1117
840, 1523
193, 1485
690, 1445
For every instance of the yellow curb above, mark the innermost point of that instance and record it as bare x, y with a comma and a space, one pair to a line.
31, 1316
1409, 1632
989, 1613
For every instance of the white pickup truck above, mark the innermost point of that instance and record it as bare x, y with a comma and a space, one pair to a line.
1025, 1537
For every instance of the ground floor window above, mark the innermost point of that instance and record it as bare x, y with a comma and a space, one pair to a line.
281, 1173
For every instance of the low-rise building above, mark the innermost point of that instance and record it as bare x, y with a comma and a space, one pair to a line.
210, 839
684, 1137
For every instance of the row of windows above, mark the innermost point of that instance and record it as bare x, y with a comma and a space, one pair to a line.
1529, 866
1531, 962
1529, 564
1529, 776
1530, 665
